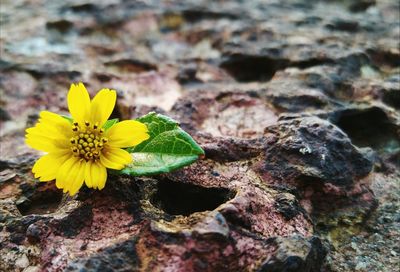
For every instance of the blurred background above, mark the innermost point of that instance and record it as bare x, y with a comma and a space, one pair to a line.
153, 52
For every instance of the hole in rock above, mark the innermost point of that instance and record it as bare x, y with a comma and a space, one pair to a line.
41, 202
245, 68
61, 25
195, 15
392, 98
384, 58
361, 5
131, 65
370, 128
184, 199
304, 64
84, 8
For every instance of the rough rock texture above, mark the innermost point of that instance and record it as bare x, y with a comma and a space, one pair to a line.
296, 104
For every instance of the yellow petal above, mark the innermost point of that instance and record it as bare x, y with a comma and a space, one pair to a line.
47, 166
47, 142
77, 177
102, 106
40, 144
99, 175
94, 174
88, 174
56, 121
127, 133
64, 172
115, 158
51, 133
79, 103
110, 164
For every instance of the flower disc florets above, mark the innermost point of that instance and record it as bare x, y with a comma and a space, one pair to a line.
88, 141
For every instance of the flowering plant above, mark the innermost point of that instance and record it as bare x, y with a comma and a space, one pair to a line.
80, 148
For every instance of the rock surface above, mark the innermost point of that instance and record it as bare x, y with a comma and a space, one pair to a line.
296, 104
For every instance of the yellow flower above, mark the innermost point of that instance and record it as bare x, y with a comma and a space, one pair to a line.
81, 151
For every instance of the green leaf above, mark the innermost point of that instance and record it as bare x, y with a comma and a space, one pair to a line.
168, 148
68, 118
110, 123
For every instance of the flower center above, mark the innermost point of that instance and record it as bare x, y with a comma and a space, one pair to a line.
88, 141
